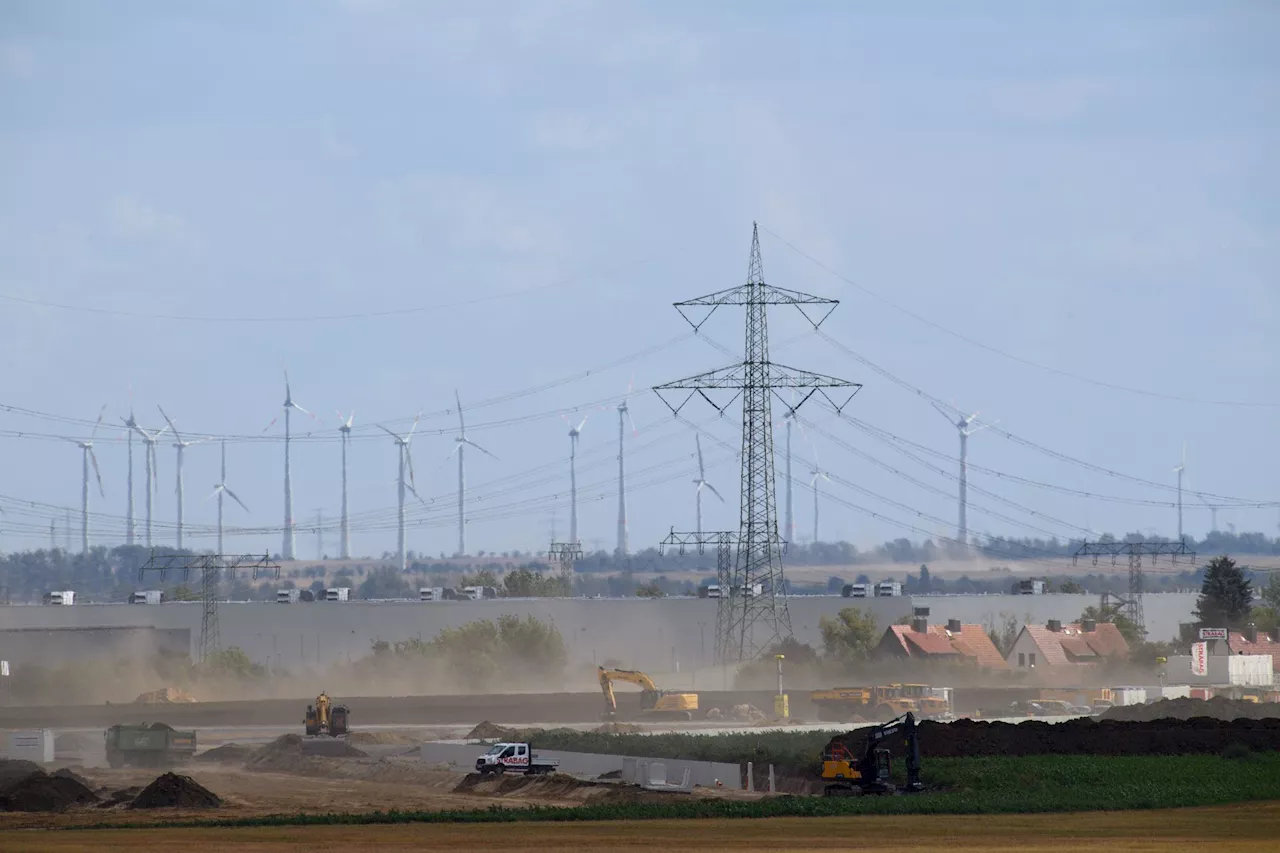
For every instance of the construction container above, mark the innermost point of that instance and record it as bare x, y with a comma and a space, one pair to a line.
147, 596
888, 589
338, 593
711, 590
1128, 695
148, 745
1028, 587
1203, 693
1172, 691
61, 596
856, 590
288, 596
32, 745
1250, 671
431, 593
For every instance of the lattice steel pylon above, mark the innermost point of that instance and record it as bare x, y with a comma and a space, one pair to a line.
723, 540
210, 567
759, 594
1135, 551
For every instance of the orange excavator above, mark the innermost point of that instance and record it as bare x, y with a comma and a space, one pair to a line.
326, 718
654, 703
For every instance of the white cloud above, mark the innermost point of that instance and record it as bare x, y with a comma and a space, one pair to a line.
132, 218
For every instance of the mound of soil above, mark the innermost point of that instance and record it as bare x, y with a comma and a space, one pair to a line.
1219, 708
491, 731
552, 785
228, 753
285, 755
122, 797
45, 792
382, 739
174, 791
14, 769
67, 773
1090, 737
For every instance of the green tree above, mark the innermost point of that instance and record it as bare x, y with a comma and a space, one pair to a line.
484, 577
1225, 595
1004, 635
385, 582
925, 580
1071, 587
850, 636
231, 662
650, 590
480, 652
1133, 635
1271, 592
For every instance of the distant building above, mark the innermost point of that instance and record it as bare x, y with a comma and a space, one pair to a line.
953, 642
1076, 645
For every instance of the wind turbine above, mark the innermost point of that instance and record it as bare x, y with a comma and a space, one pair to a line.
181, 446
287, 549
402, 443
87, 456
345, 429
219, 490
963, 424
624, 417
574, 432
460, 447
700, 483
817, 473
130, 424
149, 442
1179, 470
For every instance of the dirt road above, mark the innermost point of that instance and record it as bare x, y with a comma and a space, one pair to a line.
1237, 828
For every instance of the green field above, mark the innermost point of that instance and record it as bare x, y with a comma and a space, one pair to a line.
957, 786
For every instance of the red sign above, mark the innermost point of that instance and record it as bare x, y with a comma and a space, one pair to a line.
1213, 633
1199, 658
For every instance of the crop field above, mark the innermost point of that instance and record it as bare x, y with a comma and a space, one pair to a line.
1224, 829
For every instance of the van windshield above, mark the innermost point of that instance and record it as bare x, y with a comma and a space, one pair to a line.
496, 748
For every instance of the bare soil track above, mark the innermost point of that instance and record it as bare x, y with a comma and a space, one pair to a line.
1247, 829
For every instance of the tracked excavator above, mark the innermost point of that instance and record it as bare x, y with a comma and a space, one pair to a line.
655, 704
326, 718
847, 774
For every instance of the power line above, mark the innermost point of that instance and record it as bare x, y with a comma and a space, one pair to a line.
1008, 355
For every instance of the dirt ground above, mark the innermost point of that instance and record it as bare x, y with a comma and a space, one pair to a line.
1246, 829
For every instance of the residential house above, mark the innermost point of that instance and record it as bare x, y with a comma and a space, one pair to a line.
1056, 645
953, 643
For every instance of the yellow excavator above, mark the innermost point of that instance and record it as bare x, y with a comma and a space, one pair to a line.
655, 704
326, 718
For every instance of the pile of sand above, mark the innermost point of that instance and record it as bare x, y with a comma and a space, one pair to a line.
44, 792
174, 791
228, 753
491, 731
285, 755
165, 696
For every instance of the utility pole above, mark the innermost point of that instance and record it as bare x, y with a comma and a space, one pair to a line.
53, 534
1135, 551
758, 565
319, 534
1182, 467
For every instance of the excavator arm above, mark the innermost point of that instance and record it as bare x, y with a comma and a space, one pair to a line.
653, 702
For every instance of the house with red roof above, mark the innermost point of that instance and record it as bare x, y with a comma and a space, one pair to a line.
952, 643
1251, 641
1054, 644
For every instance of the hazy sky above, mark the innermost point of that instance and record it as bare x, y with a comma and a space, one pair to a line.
1091, 187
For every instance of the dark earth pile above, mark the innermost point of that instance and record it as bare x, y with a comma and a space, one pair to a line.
44, 792
228, 753
1093, 737
174, 791
121, 797
1220, 708
285, 755
13, 769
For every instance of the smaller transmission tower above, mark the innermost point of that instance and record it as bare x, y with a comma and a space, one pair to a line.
728, 625
1135, 551
210, 567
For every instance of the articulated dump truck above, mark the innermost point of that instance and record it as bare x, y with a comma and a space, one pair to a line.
149, 745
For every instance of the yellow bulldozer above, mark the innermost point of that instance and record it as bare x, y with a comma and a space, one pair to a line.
326, 718
655, 704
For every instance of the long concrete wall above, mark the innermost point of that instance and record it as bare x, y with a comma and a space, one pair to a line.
462, 756
658, 635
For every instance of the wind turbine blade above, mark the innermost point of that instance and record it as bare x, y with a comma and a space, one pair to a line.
351, 417
161, 432
288, 395
462, 426
713, 490
408, 458
387, 431
94, 459
409, 434
824, 476
634, 431
270, 425
171, 426
414, 492
477, 447
305, 412
74, 441
236, 499
98, 423
584, 422
697, 438
215, 491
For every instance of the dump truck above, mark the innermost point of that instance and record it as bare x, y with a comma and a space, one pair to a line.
654, 703
326, 718
514, 758
841, 704
148, 745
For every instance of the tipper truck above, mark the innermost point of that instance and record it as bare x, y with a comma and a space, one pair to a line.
148, 745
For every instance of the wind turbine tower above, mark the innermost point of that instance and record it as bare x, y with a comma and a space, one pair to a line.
624, 417
345, 429
288, 547
701, 483
87, 456
219, 490
817, 473
1180, 470
131, 424
460, 448
181, 447
149, 451
964, 425
406, 461
574, 432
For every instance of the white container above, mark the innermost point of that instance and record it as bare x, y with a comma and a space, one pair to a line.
857, 590
338, 593
33, 745
147, 596
431, 593
288, 596
60, 596
1250, 671
887, 589
711, 590
1128, 695
1175, 691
